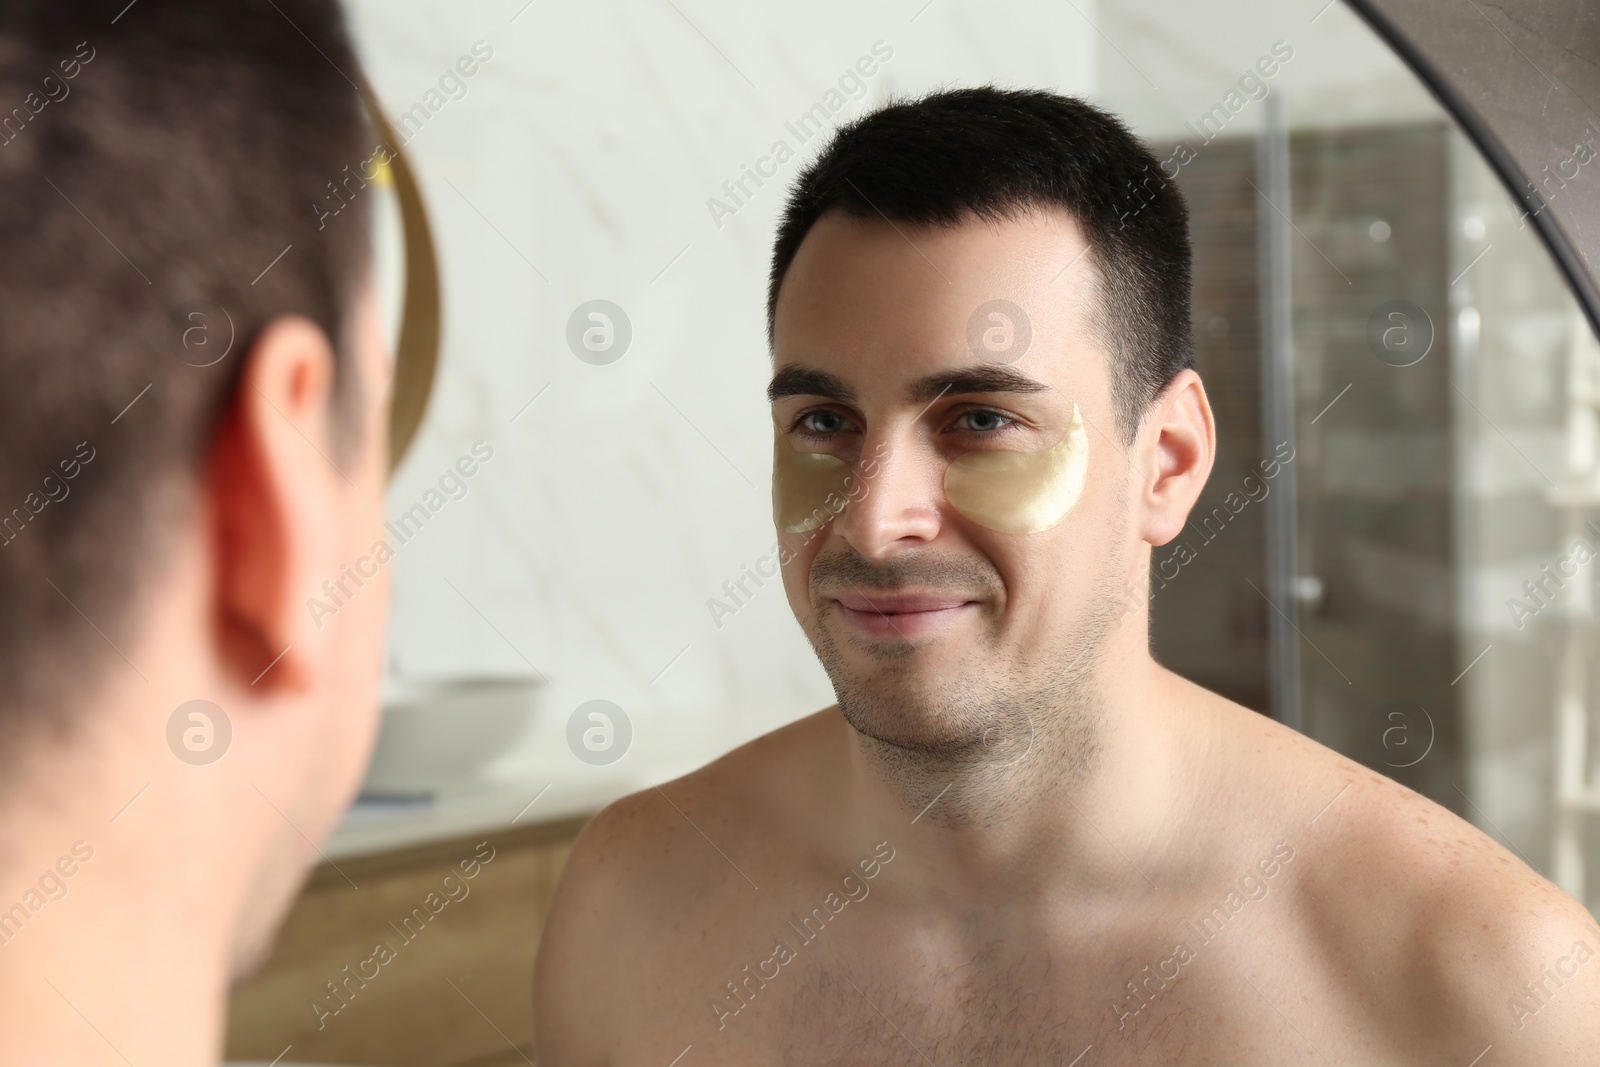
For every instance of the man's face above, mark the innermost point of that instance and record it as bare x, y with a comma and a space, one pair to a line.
938, 631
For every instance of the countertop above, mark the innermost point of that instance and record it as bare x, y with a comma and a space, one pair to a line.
382, 826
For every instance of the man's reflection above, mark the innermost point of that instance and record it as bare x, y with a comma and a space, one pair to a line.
1076, 856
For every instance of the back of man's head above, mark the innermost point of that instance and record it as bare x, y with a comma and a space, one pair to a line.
191, 440
159, 163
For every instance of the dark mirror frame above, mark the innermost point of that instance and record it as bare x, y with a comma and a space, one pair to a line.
1523, 81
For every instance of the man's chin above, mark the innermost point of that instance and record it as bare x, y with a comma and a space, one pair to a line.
903, 728
266, 911
898, 670
907, 704
251, 955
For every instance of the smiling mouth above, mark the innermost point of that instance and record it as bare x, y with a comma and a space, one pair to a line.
901, 614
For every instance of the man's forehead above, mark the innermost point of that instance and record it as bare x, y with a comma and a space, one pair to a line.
889, 306
1037, 252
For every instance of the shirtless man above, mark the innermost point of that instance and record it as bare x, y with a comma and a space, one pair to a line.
193, 385
1017, 838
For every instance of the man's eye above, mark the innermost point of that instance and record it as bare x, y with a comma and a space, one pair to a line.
822, 423
985, 421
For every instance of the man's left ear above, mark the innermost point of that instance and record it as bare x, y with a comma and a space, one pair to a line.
1178, 444
271, 496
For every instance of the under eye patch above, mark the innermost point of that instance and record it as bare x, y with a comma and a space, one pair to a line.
808, 488
1021, 492
1008, 492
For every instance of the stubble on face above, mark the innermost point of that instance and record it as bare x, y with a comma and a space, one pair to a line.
980, 728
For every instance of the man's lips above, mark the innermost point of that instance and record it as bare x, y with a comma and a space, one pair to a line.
900, 614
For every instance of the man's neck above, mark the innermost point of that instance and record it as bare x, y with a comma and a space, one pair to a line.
1091, 793
111, 943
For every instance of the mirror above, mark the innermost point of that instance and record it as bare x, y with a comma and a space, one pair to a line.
416, 346
586, 613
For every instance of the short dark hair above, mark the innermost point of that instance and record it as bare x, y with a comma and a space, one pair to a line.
993, 153
161, 163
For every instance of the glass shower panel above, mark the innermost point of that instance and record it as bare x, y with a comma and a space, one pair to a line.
1444, 452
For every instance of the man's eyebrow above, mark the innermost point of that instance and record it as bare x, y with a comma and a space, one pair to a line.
989, 379
808, 381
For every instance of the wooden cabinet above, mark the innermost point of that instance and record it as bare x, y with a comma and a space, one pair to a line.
416, 958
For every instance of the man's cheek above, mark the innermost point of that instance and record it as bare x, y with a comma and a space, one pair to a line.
795, 555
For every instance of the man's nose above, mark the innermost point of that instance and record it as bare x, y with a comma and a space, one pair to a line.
898, 503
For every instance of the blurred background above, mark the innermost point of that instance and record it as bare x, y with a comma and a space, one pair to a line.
579, 618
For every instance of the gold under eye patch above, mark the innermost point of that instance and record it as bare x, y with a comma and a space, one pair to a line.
1008, 492
808, 488
1021, 492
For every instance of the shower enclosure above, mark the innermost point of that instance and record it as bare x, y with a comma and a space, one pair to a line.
1391, 293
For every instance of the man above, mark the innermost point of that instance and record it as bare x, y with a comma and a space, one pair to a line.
192, 440
1017, 838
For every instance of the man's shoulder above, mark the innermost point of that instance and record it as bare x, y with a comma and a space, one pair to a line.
649, 863
1428, 921
667, 829
1467, 933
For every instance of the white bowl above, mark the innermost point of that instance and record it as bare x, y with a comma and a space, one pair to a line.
440, 737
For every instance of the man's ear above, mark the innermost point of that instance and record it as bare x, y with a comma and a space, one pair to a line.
1179, 444
271, 497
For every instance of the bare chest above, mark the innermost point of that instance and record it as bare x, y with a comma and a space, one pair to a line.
849, 996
